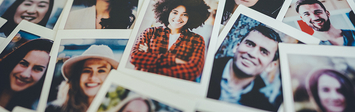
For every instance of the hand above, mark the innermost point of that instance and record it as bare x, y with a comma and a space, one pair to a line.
180, 61
143, 48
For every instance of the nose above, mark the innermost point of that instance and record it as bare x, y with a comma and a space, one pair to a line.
32, 9
252, 53
26, 73
93, 75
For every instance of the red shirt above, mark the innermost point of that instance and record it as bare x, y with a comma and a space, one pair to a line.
190, 47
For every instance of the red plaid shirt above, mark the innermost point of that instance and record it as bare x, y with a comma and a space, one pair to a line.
190, 47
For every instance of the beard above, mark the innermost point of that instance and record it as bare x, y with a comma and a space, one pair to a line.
324, 27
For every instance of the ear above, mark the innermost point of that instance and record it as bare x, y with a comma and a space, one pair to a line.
271, 66
328, 13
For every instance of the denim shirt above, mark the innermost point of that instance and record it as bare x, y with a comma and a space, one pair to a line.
348, 36
227, 93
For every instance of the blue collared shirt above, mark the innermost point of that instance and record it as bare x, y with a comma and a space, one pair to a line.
227, 93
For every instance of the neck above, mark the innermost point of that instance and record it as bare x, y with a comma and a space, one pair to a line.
174, 30
237, 82
90, 99
332, 33
5, 97
102, 8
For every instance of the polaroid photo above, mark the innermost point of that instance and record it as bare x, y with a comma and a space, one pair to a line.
121, 92
318, 78
23, 33
24, 61
2, 22
176, 66
98, 14
320, 17
245, 68
79, 56
276, 10
42, 12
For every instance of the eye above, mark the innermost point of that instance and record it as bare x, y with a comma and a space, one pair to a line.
249, 43
102, 71
23, 63
42, 6
86, 71
185, 15
265, 52
27, 4
38, 69
325, 89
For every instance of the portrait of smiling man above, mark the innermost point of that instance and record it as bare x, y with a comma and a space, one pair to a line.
315, 15
237, 79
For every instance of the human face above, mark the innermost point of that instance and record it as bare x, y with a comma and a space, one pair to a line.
93, 75
330, 94
247, 3
255, 53
31, 10
29, 70
137, 105
178, 17
315, 16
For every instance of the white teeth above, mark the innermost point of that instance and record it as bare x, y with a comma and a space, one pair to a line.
92, 84
28, 18
248, 62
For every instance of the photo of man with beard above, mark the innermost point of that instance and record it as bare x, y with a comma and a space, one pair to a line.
315, 15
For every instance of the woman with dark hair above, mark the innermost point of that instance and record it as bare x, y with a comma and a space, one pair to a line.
103, 14
35, 11
331, 90
172, 49
22, 73
84, 76
267, 7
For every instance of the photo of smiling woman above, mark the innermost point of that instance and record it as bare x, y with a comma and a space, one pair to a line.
83, 73
22, 73
172, 49
102, 14
331, 90
35, 11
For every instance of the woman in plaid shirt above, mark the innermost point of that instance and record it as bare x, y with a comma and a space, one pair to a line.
172, 49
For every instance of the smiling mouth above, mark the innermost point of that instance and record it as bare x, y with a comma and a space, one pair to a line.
28, 18
247, 62
21, 82
92, 85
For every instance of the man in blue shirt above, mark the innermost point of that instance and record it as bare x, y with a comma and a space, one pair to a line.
237, 79
316, 16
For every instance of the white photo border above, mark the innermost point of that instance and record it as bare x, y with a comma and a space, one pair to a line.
161, 95
318, 50
30, 28
178, 85
264, 19
69, 34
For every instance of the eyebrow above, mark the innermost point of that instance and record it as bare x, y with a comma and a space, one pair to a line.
39, 2
177, 11
34, 65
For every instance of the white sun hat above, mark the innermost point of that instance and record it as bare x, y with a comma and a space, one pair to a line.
94, 51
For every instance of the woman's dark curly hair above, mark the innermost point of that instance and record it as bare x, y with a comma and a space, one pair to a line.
197, 11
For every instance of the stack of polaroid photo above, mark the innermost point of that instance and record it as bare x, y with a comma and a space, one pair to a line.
177, 55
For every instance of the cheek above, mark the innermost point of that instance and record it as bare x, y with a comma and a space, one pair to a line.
37, 76
42, 11
83, 77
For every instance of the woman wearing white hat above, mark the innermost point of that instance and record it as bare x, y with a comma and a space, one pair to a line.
84, 76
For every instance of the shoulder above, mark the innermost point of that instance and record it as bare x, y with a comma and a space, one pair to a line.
194, 36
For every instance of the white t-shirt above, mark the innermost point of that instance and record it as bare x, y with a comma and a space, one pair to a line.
172, 39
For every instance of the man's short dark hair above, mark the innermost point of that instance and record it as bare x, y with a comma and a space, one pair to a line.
303, 2
268, 32
197, 11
